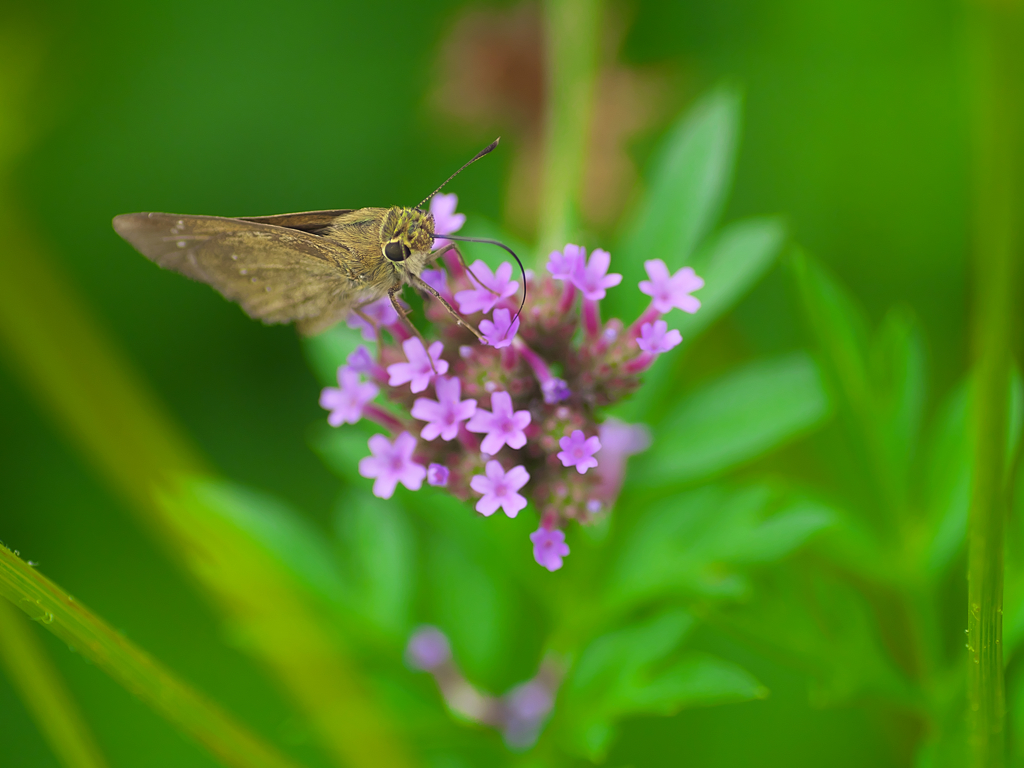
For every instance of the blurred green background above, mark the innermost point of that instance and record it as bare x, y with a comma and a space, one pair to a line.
855, 128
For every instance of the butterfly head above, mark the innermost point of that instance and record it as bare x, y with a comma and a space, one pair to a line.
406, 231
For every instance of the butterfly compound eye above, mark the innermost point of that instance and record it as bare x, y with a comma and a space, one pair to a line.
396, 251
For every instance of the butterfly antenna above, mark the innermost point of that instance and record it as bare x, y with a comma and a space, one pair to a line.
500, 245
485, 151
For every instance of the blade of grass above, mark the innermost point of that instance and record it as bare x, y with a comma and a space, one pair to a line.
46, 698
190, 711
999, 43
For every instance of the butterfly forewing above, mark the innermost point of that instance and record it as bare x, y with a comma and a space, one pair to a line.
277, 274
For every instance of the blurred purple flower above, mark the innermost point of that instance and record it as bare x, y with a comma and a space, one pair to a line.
549, 547
555, 390
526, 706
428, 649
438, 280
578, 451
562, 264
494, 286
499, 489
346, 402
446, 220
418, 371
667, 291
500, 333
437, 475
380, 312
501, 424
656, 337
444, 414
360, 360
592, 277
391, 464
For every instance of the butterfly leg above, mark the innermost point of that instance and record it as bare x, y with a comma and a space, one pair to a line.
423, 285
376, 327
392, 294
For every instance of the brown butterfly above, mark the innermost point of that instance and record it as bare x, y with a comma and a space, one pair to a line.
312, 269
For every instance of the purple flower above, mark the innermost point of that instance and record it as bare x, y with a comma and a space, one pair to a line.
549, 547
380, 312
527, 705
360, 360
502, 426
392, 464
346, 403
445, 413
436, 279
562, 264
446, 220
667, 292
555, 390
591, 277
495, 286
499, 489
437, 475
418, 371
500, 333
578, 451
428, 649
657, 337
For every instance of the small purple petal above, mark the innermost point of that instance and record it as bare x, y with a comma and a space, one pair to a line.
501, 424
443, 415
437, 474
391, 463
436, 279
494, 286
418, 371
592, 277
379, 312
346, 402
446, 220
499, 489
578, 451
562, 264
555, 390
361, 361
657, 337
667, 291
549, 547
500, 333
428, 649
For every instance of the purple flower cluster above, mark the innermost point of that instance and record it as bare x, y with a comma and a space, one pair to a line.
514, 418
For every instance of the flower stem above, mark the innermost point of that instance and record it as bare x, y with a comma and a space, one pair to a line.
997, 248
573, 30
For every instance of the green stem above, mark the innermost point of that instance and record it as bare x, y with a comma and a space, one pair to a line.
997, 244
573, 29
195, 715
44, 693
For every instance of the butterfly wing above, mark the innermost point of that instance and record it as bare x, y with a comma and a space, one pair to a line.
277, 274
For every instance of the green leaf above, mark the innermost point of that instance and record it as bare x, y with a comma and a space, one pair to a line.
629, 672
731, 263
692, 172
278, 529
822, 625
474, 606
341, 448
379, 556
948, 483
328, 351
735, 419
700, 542
898, 384
839, 327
